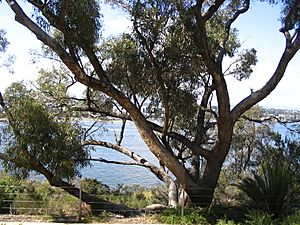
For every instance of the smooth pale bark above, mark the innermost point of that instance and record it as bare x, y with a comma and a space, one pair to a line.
140, 161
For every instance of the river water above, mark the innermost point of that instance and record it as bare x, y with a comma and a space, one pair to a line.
113, 174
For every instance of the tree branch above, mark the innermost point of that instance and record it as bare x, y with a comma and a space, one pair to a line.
139, 160
227, 29
212, 9
260, 94
117, 162
140, 121
80, 75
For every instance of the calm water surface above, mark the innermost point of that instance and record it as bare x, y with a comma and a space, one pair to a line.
112, 174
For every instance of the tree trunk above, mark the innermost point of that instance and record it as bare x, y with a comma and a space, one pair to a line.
172, 194
203, 195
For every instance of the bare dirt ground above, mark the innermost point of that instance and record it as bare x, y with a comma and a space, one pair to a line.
110, 220
134, 220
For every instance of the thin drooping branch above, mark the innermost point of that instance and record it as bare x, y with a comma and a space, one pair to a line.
88, 132
272, 118
101, 112
100, 159
139, 160
121, 135
182, 139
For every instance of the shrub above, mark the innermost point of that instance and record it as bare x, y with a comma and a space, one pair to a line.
135, 196
259, 218
94, 187
273, 190
175, 217
225, 222
293, 219
9, 187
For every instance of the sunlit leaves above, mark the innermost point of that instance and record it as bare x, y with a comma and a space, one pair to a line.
245, 61
183, 109
51, 141
53, 90
128, 67
291, 15
82, 19
79, 21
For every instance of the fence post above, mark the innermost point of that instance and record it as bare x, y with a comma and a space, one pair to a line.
80, 203
182, 203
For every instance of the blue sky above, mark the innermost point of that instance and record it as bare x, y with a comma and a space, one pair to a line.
258, 28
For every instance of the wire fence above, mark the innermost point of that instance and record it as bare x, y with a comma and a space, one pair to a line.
20, 200
55, 202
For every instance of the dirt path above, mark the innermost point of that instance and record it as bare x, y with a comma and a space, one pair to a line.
111, 220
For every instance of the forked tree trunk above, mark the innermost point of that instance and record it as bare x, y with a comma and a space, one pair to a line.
203, 195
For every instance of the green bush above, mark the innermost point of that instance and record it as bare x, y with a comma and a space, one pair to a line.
255, 217
226, 222
273, 191
94, 187
293, 219
175, 217
135, 196
9, 187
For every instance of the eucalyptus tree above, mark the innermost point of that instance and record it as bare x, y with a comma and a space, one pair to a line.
38, 139
173, 57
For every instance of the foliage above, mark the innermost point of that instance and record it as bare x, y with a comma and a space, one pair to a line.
259, 218
133, 195
175, 217
9, 186
226, 222
293, 219
34, 197
290, 13
250, 144
81, 20
274, 190
35, 135
49, 197
173, 58
3, 41
93, 186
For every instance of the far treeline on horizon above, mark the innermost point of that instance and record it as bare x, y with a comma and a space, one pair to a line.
187, 63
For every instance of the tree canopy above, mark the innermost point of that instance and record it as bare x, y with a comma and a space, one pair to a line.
174, 59
34, 135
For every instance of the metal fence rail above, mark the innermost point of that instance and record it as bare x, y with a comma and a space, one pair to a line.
54, 203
